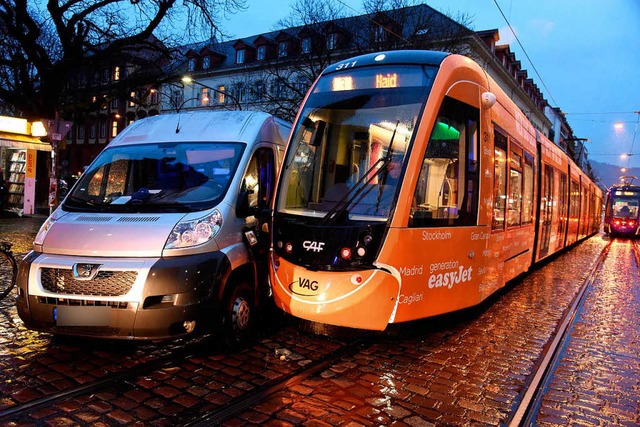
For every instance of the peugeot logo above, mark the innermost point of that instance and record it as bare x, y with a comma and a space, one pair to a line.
82, 271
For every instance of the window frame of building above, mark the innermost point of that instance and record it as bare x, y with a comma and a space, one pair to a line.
283, 49
206, 62
191, 66
305, 45
332, 41
205, 99
102, 128
114, 128
222, 98
106, 74
240, 56
80, 133
261, 53
114, 104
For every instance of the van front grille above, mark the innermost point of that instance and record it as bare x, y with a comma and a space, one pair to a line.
119, 305
105, 283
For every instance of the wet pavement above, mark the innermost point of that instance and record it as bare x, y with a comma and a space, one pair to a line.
468, 368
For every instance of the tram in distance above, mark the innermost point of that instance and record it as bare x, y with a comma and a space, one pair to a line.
621, 208
413, 186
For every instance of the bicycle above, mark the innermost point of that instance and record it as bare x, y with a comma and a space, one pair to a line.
8, 269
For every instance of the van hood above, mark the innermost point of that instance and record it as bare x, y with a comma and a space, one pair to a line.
110, 235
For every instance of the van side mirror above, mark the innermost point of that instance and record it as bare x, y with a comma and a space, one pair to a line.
243, 208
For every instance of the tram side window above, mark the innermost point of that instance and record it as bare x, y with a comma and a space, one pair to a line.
447, 188
562, 202
500, 180
574, 201
515, 189
527, 193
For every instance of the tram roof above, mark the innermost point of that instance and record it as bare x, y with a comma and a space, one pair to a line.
411, 57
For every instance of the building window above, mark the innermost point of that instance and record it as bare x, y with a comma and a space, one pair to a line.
306, 45
132, 95
380, 34
240, 56
221, 92
155, 97
282, 49
103, 128
105, 75
116, 73
92, 131
80, 136
332, 41
260, 90
240, 92
114, 128
204, 96
206, 62
114, 103
192, 64
262, 52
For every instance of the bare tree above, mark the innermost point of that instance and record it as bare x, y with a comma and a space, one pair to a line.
45, 44
385, 25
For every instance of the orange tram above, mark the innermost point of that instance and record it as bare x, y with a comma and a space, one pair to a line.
413, 186
621, 208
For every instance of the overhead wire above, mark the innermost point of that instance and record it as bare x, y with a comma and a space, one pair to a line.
525, 53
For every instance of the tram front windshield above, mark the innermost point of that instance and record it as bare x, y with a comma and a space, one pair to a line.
625, 204
349, 145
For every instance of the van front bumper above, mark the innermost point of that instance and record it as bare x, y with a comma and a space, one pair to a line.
149, 298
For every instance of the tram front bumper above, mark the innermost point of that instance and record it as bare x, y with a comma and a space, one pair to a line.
362, 299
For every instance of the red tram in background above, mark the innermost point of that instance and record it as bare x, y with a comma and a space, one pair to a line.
621, 208
413, 186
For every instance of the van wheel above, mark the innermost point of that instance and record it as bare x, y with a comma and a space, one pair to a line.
239, 316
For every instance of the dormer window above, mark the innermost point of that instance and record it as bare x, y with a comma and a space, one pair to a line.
240, 56
332, 41
206, 62
282, 49
380, 34
192, 64
306, 45
262, 52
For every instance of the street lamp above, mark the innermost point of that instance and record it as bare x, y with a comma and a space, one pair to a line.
190, 80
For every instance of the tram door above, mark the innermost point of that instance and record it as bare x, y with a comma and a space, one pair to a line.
546, 211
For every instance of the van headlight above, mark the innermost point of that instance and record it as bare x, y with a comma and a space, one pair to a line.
44, 229
195, 232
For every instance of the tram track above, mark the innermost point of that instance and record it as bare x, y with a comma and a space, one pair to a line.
175, 358
528, 408
167, 360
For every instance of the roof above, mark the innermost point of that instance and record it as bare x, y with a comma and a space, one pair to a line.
210, 126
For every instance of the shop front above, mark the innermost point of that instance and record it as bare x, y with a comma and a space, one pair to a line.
24, 168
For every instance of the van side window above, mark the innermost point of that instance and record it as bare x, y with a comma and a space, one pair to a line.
260, 178
447, 188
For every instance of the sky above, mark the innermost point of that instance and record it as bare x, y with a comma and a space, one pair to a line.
585, 58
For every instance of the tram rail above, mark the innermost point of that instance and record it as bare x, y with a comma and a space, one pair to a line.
529, 406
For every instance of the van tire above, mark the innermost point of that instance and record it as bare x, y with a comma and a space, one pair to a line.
239, 316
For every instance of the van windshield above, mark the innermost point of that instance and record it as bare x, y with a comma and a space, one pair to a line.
164, 177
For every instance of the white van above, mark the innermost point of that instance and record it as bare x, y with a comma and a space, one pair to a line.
159, 234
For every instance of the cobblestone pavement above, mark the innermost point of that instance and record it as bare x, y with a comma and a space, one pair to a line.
469, 368
597, 381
